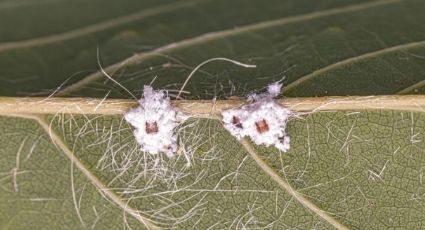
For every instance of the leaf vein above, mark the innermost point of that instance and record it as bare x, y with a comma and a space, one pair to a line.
288, 188
352, 60
139, 57
412, 87
57, 141
96, 27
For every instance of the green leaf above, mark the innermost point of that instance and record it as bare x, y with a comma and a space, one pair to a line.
327, 47
363, 170
354, 163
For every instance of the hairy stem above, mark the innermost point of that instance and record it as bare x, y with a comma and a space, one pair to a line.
31, 105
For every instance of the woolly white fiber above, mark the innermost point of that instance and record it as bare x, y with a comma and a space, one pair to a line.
155, 121
263, 119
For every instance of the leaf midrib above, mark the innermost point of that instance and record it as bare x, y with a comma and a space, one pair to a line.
207, 108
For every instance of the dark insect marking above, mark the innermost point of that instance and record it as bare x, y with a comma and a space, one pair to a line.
262, 126
236, 122
151, 127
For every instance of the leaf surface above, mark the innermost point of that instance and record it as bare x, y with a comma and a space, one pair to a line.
322, 48
355, 169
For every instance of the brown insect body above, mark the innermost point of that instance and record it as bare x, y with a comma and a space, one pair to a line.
262, 126
237, 122
151, 127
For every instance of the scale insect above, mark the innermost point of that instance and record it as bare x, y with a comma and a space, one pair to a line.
155, 121
263, 119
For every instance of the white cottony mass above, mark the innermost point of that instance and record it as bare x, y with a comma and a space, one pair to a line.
263, 119
154, 121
